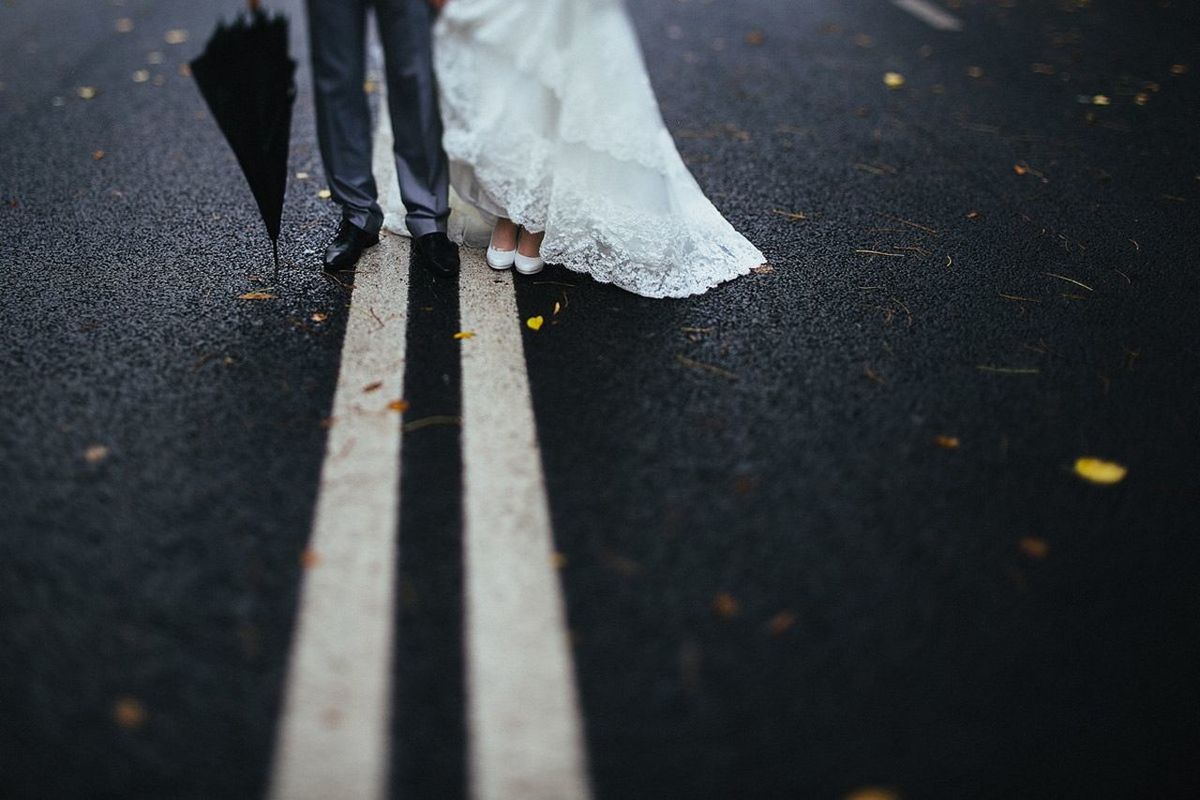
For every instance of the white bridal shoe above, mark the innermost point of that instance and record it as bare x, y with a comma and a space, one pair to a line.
500, 259
528, 265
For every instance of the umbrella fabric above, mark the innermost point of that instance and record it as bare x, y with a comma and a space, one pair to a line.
248, 80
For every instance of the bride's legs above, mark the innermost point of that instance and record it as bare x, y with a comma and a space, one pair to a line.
504, 235
531, 243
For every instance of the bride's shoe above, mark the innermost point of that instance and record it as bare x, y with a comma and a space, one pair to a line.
500, 259
528, 265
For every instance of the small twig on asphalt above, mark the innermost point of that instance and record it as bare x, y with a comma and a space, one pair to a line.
1020, 298
432, 422
863, 252
376, 316
1008, 370
792, 216
709, 368
912, 224
1123, 275
1069, 280
872, 375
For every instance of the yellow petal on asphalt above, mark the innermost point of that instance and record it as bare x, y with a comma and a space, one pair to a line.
464, 335
1098, 470
399, 406
893, 80
86, 92
124, 25
257, 296
141, 76
324, 194
1101, 100
535, 323
176, 36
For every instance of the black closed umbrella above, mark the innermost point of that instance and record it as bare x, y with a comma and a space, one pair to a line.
249, 82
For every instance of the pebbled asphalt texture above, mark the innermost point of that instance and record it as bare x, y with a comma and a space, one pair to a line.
778, 583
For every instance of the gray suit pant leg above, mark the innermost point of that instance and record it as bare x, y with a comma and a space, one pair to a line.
406, 30
338, 37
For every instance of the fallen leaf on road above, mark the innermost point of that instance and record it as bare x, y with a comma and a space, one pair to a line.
371, 387
86, 92
124, 25
319, 316
95, 454
1179, 69
947, 442
1035, 548
399, 406
324, 194
893, 80
258, 296
1097, 470
973, 215
780, 623
129, 713
1101, 100
535, 323
558, 560
141, 76
97, 155
873, 793
176, 36
725, 605
762, 269
755, 38
464, 335
974, 72
309, 558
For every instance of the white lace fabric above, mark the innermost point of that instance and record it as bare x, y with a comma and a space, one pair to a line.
551, 121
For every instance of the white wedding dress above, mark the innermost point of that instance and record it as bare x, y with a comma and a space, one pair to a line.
550, 120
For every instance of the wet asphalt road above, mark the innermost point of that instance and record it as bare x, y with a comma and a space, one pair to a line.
777, 583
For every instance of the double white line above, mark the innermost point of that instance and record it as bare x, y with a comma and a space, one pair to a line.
525, 738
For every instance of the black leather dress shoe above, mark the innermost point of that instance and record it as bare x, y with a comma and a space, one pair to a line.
347, 246
438, 254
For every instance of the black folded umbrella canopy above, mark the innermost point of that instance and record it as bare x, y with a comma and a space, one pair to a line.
249, 82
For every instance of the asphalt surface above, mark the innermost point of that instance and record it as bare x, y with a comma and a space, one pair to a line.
778, 584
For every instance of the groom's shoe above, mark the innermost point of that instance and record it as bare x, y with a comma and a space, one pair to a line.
438, 254
347, 246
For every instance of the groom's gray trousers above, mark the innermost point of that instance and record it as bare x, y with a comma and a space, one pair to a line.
338, 32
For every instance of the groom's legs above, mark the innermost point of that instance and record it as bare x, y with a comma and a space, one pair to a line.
337, 29
406, 29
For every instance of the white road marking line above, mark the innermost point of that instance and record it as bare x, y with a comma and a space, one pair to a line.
930, 14
524, 724
333, 738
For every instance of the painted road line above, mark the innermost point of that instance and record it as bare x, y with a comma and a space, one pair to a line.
930, 14
525, 731
333, 738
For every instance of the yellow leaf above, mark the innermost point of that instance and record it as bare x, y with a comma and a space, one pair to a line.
176, 36
464, 335
1098, 470
97, 155
557, 308
129, 713
893, 80
725, 605
86, 92
947, 442
319, 316
535, 323
324, 194
257, 296
399, 406
95, 454
309, 558
1101, 100
141, 76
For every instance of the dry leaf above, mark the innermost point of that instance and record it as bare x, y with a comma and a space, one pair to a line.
1098, 470
319, 316
535, 323
557, 308
1179, 69
399, 406
371, 387
1101, 100
129, 713
257, 296
302, 176
975, 72
780, 623
86, 92
464, 335
176, 36
124, 25
947, 442
324, 194
141, 76
873, 793
1021, 169
755, 38
309, 558
558, 560
762, 269
725, 606
893, 80
95, 454
1035, 548
974, 215
97, 155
